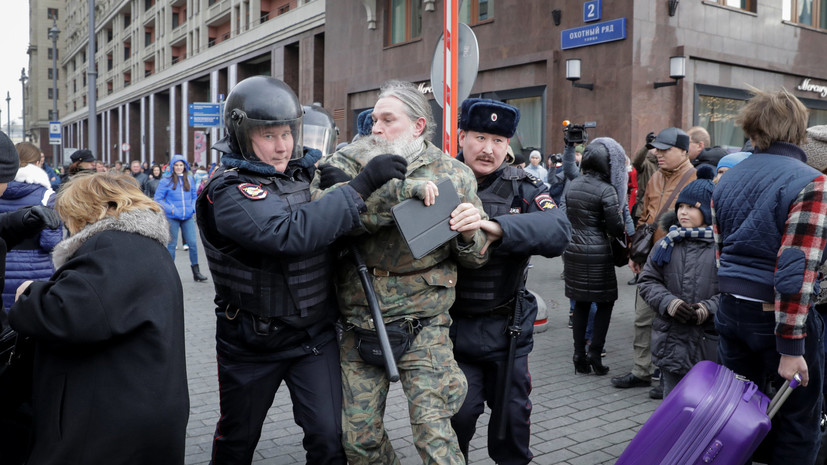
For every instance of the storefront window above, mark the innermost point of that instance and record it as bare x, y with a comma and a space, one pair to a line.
530, 127
476, 11
817, 117
717, 115
404, 20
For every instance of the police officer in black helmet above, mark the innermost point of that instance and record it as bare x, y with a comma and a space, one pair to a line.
268, 251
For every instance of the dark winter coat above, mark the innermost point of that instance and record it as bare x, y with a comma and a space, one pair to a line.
31, 259
690, 275
110, 383
150, 186
595, 214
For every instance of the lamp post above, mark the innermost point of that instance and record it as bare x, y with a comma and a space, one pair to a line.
23, 79
54, 32
8, 113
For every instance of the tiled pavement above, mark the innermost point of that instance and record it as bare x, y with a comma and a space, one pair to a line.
576, 419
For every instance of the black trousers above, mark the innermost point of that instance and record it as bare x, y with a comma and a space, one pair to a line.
484, 387
247, 390
601, 327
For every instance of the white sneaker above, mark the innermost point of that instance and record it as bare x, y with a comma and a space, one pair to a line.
185, 247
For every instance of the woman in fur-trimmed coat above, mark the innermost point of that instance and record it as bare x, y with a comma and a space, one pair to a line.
110, 383
595, 203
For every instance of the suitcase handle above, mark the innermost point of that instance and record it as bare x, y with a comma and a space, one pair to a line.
782, 394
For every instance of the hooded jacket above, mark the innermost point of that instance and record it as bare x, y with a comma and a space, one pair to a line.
31, 259
110, 380
178, 204
595, 213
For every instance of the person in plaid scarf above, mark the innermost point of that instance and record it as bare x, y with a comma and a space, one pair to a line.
770, 225
680, 283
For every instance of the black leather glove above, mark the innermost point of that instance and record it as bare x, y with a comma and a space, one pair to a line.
329, 175
377, 172
684, 313
650, 137
39, 217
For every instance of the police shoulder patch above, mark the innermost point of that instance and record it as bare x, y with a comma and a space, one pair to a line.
545, 202
252, 191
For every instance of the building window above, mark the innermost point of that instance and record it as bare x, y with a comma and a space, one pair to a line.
476, 11
50, 95
404, 21
807, 12
127, 19
748, 5
717, 115
50, 73
49, 53
284, 9
51, 13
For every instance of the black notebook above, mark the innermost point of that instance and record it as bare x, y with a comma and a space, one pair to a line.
426, 228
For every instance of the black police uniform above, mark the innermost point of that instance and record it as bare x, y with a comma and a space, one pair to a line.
486, 300
267, 249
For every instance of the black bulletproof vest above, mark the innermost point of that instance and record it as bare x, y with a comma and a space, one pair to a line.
497, 282
287, 287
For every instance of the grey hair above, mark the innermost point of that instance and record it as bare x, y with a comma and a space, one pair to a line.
416, 105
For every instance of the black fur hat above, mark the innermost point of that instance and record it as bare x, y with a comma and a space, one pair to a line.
489, 116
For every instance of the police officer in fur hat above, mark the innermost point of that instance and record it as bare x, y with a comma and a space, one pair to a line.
15, 226
493, 316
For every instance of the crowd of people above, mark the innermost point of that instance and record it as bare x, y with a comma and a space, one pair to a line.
302, 247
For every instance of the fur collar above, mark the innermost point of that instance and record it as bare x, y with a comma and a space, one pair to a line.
234, 160
144, 222
32, 174
619, 177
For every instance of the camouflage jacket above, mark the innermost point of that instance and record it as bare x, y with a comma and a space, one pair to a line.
424, 294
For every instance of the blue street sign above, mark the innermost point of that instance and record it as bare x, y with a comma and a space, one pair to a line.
591, 11
205, 114
54, 132
593, 34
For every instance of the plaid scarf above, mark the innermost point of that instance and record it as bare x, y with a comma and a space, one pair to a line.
663, 251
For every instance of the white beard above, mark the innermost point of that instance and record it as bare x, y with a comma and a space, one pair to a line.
407, 146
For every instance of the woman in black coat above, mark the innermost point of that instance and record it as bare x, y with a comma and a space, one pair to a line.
110, 383
595, 213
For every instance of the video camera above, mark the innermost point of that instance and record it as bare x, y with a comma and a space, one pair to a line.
576, 133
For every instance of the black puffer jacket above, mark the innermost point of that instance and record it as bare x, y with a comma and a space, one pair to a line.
594, 212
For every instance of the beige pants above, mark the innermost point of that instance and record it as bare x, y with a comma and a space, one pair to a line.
643, 338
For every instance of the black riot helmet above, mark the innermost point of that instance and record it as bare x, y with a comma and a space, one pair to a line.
320, 131
257, 102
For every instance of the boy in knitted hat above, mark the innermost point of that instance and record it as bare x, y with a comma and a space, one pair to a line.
679, 282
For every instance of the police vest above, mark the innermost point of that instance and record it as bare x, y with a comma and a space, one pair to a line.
483, 289
288, 288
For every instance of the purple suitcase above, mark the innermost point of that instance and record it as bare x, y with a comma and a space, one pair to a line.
712, 416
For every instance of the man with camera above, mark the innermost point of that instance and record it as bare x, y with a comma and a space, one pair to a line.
493, 315
575, 136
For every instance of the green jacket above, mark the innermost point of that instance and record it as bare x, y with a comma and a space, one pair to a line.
421, 295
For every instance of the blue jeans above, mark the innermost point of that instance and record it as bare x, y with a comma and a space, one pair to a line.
188, 230
747, 347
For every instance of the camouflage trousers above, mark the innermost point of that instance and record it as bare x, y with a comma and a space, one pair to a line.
434, 386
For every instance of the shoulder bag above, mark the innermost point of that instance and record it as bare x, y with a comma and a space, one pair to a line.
642, 240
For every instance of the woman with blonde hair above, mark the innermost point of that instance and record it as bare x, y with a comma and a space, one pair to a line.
31, 258
110, 383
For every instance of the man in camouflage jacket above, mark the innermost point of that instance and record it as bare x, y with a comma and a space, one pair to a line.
411, 293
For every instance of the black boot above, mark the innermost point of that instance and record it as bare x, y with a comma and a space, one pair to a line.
196, 274
593, 359
581, 364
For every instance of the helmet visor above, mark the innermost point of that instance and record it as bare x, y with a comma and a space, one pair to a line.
268, 140
319, 137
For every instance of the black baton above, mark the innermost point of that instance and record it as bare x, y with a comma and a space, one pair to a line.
376, 314
514, 331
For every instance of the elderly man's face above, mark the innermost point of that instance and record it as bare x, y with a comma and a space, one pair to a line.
392, 122
135, 167
483, 152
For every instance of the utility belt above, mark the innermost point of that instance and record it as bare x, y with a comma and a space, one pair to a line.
401, 334
385, 273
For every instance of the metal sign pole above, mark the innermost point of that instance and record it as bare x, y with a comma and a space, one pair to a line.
450, 84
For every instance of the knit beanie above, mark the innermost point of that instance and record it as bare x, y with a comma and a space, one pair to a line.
728, 161
816, 147
9, 160
698, 193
